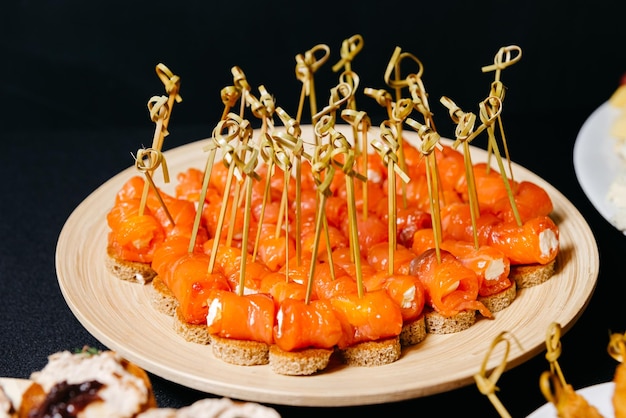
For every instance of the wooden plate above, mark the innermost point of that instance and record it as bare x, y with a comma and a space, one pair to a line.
119, 314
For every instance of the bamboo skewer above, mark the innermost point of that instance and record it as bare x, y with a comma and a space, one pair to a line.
229, 157
307, 65
349, 50
323, 173
147, 161
247, 167
160, 108
429, 141
291, 141
553, 350
487, 384
386, 146
490, 110
504, 58
463, 132
361, 123
346, 164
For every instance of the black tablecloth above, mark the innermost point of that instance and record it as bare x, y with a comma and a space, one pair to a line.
67, 129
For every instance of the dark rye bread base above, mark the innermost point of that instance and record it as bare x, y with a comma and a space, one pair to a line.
413, 332
532, 274
372, 353
299, 363
501, 300
240, 352
439, 324
161, 297
132, 271
194, 333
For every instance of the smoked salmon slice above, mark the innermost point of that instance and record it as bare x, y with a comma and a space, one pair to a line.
450, 286
490, 264
536, 241
190, 282
406, 290
300, 325
372, 317
241, 317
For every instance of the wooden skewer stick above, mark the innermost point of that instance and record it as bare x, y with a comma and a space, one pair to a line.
229, 157
323, 173
245, 133
386, 146
487, 384
172, 88
413, 82
490, 109
553, 350
147, 161
346, 164
160, 108
307, 65
464, 129
349, 50
505, 57
361, 123
247, 167
430, 140
291, 141
396, 113
157, 105
266, 151
339, 95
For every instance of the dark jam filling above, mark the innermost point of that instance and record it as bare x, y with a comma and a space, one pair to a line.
66, 401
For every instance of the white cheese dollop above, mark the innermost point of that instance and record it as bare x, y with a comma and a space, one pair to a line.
548, 242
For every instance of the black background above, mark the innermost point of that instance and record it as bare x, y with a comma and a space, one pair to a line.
77, 76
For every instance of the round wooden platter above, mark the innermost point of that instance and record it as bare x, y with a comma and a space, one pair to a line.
120, 315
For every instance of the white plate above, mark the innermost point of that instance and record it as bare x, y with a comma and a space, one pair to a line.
120, 315
595, 161
597, 395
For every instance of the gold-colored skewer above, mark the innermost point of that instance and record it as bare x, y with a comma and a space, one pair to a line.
504, 58
341, 147
430, 141
361, 123
487, 384
553, 350
247, 167
323, 173
171, 83
349, 50
307, 65
490, 109
229, 157
464, 129
396, 113
291, 141
266, 151
158, 108
147, 161
386, 146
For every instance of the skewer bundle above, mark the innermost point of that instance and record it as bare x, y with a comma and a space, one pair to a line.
282, 232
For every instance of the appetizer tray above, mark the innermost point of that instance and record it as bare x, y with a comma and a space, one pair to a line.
596, 163
119, 314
